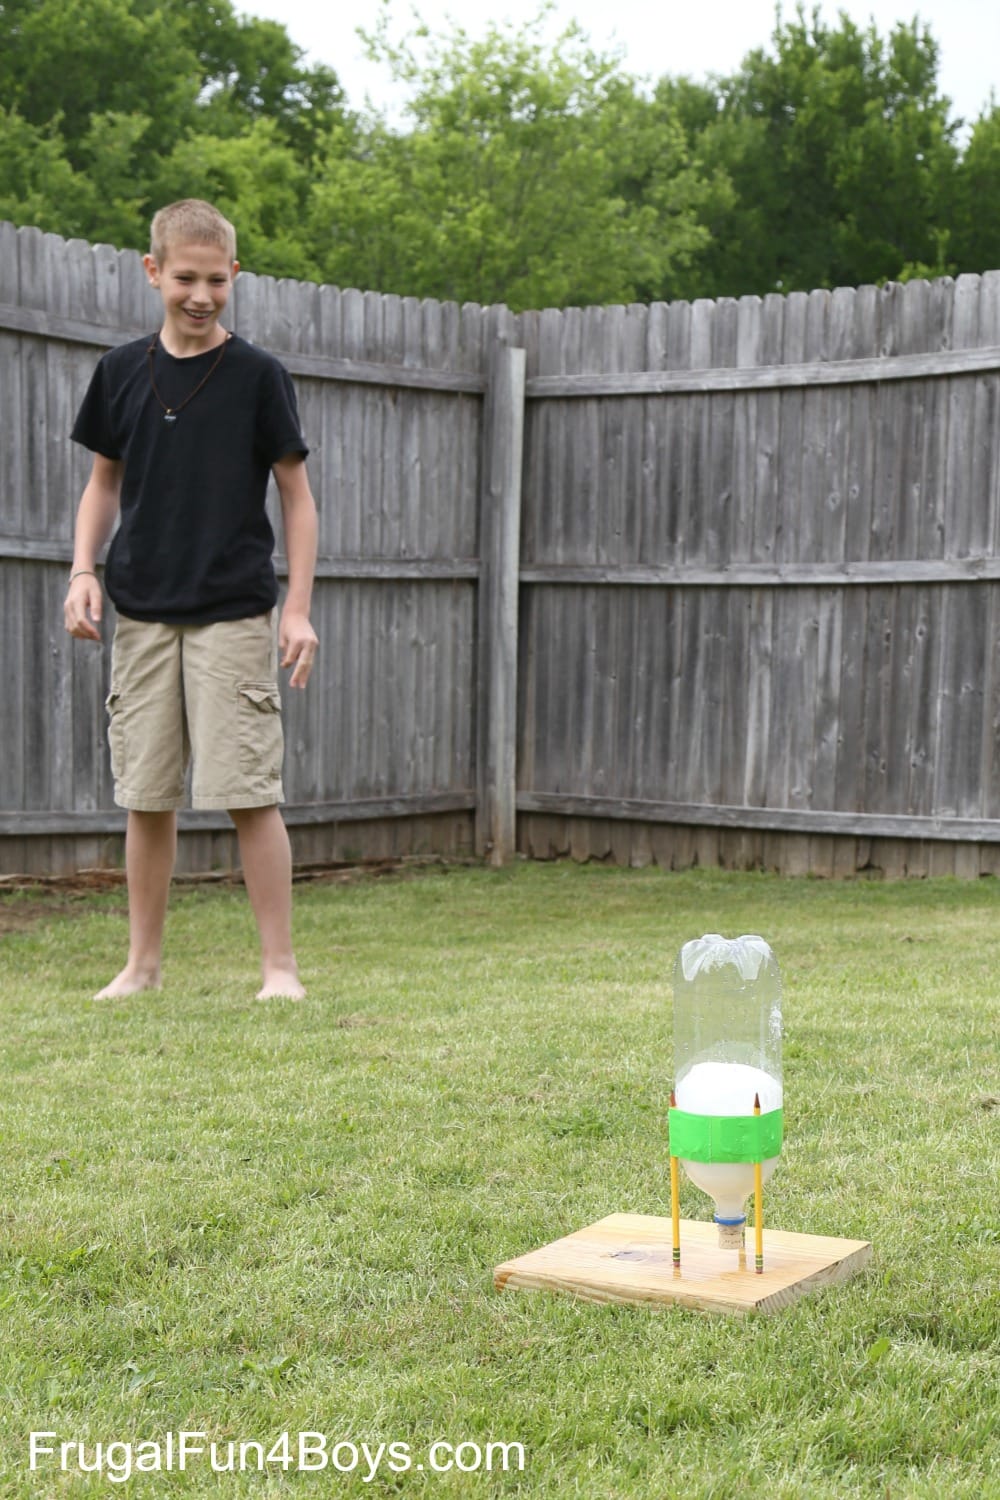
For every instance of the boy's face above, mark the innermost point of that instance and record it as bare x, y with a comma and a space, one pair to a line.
195, 282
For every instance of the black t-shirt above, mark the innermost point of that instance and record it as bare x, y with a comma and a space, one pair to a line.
194, 542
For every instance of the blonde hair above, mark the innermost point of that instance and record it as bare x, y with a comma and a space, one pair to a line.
191, 221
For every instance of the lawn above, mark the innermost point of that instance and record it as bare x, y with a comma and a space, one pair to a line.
246, 1219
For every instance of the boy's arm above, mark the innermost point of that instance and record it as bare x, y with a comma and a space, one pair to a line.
95, 520
296, 637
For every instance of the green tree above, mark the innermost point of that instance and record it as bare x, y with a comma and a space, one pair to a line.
37, 184
507, 185
71, 59
115, 155
252, 70
976, 241
840, 153
106, 102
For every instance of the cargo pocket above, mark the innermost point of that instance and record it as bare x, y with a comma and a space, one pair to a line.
261, 741
116, 734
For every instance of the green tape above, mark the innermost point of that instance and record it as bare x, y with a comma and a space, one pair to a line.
725, 1137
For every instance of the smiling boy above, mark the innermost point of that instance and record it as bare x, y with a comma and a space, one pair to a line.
186, 426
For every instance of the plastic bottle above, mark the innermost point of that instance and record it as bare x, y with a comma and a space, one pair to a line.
727, 1050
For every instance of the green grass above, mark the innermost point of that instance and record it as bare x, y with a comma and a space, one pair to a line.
246, 1218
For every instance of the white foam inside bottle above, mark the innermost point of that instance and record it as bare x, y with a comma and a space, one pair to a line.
721, 1088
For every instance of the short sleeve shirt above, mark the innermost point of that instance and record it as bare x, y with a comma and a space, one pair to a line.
194, 544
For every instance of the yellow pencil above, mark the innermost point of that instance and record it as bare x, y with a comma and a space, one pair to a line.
675, 1198
758, 1205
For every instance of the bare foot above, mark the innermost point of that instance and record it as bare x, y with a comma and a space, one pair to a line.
282, 984
131, 981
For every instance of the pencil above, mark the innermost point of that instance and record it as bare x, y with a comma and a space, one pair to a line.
758, 1206
675, 1198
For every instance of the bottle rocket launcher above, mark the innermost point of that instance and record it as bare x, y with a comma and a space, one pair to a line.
727, 1061
725, 1131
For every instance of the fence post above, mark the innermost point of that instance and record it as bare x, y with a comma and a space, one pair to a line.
499, 558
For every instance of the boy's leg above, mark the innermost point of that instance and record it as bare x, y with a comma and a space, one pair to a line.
150, 851
234, 717
148, 754
267, 870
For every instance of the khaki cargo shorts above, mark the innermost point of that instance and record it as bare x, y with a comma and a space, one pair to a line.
201, 693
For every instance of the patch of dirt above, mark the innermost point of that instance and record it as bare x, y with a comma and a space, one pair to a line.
26, 900
18, 916
14, 919
38, 898
80, 883
405, 864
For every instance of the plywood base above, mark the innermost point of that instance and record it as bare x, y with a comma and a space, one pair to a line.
628, 1258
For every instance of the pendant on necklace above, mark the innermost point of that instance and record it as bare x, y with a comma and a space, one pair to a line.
170, 416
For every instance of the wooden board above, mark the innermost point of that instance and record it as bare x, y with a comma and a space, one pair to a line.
628, 1258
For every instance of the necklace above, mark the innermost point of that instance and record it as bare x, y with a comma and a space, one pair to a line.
170, 412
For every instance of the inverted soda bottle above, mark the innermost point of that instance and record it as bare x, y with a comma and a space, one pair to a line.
727, 1054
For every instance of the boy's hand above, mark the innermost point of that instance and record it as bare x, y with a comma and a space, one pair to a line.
83, 607
299, 644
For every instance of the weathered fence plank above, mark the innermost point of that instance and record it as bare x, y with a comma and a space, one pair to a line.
499, 551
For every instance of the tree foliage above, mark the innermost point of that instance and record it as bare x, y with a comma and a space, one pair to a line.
524, 170
976, 238
509, 183
111, 106
840, 153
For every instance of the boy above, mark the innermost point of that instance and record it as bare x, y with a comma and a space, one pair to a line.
185, 428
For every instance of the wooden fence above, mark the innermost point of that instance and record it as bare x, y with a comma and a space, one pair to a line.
709, 582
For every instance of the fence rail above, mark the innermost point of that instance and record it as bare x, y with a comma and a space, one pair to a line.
768, 377
708, 581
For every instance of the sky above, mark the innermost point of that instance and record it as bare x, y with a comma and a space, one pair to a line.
696, 37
